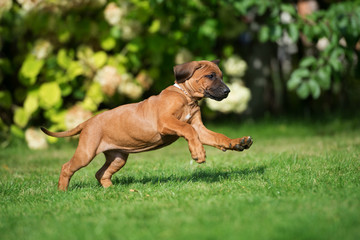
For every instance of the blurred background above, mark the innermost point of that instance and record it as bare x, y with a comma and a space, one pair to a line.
61, 62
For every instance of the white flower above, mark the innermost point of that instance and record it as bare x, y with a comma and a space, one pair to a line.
132, 90
35, 139
237, 101
109, 79
42, 48
129, 88
183, 56
114, 14
285, 18
144, 79
322, 43
235, 66
75, 116
130, 29
343, 42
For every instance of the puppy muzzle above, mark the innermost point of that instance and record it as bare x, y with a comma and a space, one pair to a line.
218, 94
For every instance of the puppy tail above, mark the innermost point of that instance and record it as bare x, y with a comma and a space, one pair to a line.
69, 133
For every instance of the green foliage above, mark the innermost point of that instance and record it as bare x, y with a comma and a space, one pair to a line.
339, 25
63, 53
5, 99
55, 55
30, 69
49, 95
31, 103
21, 117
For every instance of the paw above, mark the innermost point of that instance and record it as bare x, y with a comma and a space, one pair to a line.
200, 161
239, 144
200, 156
197, 151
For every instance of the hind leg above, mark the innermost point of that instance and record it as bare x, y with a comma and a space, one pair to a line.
114, 162
85, 152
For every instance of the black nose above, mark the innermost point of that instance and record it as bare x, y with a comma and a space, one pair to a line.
226, 91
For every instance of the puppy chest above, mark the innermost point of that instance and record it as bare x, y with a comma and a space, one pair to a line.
188, 113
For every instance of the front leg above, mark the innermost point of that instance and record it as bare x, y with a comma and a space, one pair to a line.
219, 140
172, 126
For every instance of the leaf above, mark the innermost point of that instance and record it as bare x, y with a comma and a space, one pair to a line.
74, 69
314, 88
261, 8
317, 30
99, 59
95, 93
335, 64
21, 117
228, 50
324, 77
115, 32
108, 43
288, 8
5, 66
308, 61
209, 28
344, 22
49, 95
16, 131
61, 77
293, 83
133, 47
264, 34
64, 36
62, 59
94, 96
334, 59
56, 116
5, 99
303, 91
241, 7
66, 89
89, 104
31, 103
293, 32
155, 26
275, 32
301, 73
29, 70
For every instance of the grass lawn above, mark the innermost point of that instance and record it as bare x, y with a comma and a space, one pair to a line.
299, 180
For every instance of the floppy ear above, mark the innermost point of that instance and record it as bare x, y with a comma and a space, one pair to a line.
216, 61
185, 71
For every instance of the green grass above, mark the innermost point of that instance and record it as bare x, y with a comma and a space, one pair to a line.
298, 181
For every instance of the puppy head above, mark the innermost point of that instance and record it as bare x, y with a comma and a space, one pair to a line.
204, 79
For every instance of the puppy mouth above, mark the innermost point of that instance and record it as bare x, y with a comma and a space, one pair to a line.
216, 97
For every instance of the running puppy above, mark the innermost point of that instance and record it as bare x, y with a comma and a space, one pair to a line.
151, 124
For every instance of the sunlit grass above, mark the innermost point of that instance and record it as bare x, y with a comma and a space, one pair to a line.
298, 181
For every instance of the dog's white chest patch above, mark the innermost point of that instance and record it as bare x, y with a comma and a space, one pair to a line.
187, 117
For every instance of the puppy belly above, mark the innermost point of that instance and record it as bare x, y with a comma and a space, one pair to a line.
136, 146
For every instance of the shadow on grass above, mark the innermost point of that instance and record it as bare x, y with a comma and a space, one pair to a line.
208, 175
204, 175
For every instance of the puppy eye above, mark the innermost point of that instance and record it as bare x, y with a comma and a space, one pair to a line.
211, 76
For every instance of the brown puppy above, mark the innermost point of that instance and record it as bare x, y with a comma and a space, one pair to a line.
151, 124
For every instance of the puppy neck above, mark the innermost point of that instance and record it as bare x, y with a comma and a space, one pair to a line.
187, 93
